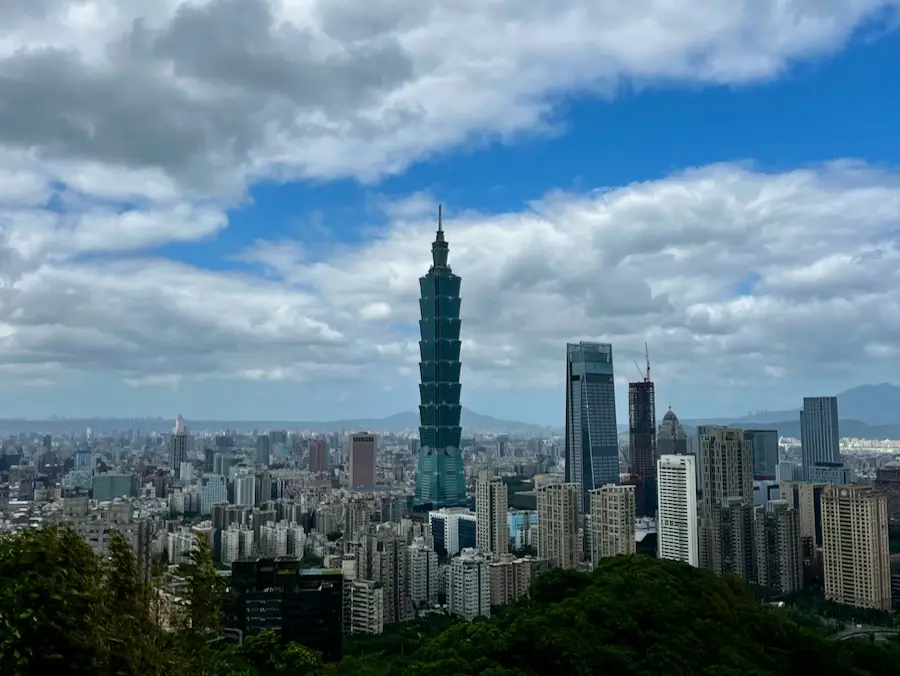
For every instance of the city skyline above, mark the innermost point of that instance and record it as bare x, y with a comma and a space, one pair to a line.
247, 247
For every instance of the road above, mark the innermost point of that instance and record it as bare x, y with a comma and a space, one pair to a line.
853, 630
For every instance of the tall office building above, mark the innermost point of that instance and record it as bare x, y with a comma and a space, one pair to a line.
765, 453
612, 522
676, 518
362, 460
592, 441
779, 566
726, 480
855, 546
318, 455
558, 507
671, 438
263, 450
305, 606
820, 437
440, 480
491, 506
178, 447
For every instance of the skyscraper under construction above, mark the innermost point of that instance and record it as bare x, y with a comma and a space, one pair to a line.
643, 450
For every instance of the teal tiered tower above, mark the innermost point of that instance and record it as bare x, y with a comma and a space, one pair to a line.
440, 481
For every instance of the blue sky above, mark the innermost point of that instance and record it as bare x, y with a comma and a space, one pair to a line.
720, 182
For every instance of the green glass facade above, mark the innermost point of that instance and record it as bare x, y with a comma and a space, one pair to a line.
440, 481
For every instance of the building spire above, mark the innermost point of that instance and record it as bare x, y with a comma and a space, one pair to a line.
439, 249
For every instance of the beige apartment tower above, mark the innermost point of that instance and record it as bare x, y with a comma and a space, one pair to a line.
855, 546
491, 505
612, 522
726, 480
557, 506
362, 460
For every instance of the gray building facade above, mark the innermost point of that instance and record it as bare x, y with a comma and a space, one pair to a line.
820, 435
765, 453
592, 444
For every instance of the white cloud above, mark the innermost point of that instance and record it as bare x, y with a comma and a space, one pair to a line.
129, 124
214, 91
658, 261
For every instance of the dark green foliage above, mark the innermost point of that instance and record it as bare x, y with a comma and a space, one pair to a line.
63, 610
52, 615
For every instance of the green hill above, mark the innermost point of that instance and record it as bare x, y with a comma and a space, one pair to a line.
64, 611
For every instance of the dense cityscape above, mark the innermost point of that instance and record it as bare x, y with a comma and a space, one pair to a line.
359, 530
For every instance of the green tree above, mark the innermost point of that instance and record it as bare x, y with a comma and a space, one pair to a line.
53, 616
136, 642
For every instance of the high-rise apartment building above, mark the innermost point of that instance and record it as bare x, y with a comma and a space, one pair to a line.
363, 456
424, 574
512, 578
612, 522
765, 453
779, 565
676, 518
390, 567
592, 441
558, 508
365, 606
855, 546
726, 480
491, 506
469, 585
440, 480
820, 437
731, 542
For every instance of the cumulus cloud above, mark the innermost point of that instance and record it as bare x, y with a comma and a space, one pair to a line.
662, 261
216, 91
127, 125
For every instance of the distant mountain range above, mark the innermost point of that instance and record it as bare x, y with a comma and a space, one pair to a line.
408, 421
868, 411
871, 411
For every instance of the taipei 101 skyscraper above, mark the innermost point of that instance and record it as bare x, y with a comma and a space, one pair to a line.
440, 481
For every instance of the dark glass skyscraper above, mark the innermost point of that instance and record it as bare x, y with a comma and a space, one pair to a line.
440, 481
592, 441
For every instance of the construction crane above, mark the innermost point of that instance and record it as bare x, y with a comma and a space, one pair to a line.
645, 375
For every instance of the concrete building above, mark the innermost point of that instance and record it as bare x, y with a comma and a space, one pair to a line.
855, 547
779, 565
612, 522
318, 456
726, 479
424, 577
213, 490
469, 585
363, 453
366, 607
558, 507
491, 506
731, 547
453, 529
806, 498
106, 487
676, 521
887, 482
512, 578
